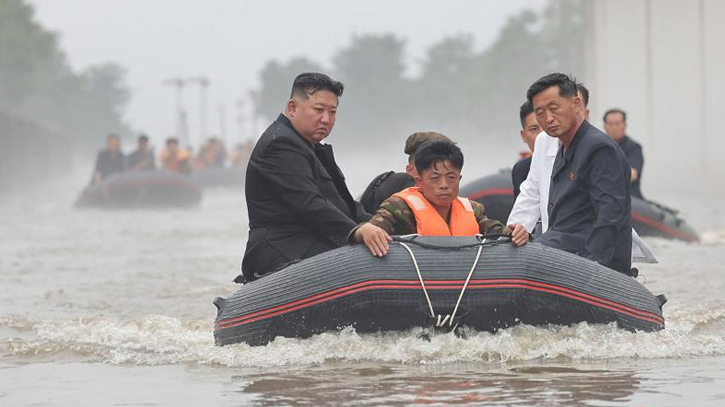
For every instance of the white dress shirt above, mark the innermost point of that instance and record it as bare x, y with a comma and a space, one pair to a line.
533, 201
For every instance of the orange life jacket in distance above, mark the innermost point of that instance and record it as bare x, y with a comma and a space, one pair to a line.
429, 221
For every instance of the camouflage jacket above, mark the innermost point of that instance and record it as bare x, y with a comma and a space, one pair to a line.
395, 217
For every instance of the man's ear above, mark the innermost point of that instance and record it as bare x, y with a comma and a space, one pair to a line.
578, 103
291, 107
410, 170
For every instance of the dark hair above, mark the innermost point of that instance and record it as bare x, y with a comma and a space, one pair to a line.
143, 138
112, 136
433, 152
308, 83
585, 93
524, 111
172, 140
567, 85
610, 111
416, 139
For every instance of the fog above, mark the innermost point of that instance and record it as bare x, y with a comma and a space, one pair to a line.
230, 41
108, 286
461, 69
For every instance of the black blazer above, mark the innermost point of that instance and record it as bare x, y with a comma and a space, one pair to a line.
297, 201
589, 200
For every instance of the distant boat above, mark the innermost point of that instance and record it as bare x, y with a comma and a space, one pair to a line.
649, 218
134, 189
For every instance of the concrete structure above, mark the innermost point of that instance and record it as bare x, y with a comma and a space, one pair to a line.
662, 61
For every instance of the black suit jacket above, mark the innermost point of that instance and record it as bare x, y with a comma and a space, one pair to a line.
589, 200
297, 201
519, 173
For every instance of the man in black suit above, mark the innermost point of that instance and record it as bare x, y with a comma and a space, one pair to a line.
589, 197
615, 124
529, 130
297, 200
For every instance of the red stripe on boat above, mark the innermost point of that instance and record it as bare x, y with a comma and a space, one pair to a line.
491, 191
437, 285
662, 227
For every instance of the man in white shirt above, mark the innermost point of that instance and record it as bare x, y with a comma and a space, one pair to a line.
533, 200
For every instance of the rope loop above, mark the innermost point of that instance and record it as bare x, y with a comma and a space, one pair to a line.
440, 319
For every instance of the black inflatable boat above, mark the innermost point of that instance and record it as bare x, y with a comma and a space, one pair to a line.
133, 189
649, 218
434, 281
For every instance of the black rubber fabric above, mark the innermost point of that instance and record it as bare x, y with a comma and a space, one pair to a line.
532, 284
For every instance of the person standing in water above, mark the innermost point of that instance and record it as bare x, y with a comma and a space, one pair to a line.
615, 124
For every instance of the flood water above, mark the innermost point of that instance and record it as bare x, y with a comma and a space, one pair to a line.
115, 308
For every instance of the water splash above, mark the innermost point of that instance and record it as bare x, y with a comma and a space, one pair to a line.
162, 340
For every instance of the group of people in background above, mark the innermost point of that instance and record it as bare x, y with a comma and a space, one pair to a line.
212, 154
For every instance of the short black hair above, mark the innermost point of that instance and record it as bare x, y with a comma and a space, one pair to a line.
172, 140
143, 138
567, 85
524, 111
610, 111
433, 152
308, 83
585, 93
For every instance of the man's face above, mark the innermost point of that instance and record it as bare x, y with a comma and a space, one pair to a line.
530, 131
615, 125
439, 183
173, 147
313, 117
112, 144
557, 115
143, 145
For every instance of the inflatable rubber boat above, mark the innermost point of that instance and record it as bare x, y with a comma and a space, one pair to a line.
649, 218
231, 177
444, 282
132, 189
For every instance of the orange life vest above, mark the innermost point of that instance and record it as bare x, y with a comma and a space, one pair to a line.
430, 223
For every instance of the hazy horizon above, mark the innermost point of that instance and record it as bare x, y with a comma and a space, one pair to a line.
228, 42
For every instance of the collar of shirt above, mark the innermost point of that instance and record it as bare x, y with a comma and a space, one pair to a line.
285, 121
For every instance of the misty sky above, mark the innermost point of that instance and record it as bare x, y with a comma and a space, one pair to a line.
230, 41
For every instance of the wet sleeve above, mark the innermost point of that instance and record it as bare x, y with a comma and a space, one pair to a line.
394, 217
609, 197
485, 224
526, 210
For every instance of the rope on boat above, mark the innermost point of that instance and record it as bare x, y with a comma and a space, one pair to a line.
440, 319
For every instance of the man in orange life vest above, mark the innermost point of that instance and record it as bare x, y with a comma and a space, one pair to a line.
433, 207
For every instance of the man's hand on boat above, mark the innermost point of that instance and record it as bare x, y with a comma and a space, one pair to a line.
375, 238
519, 234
